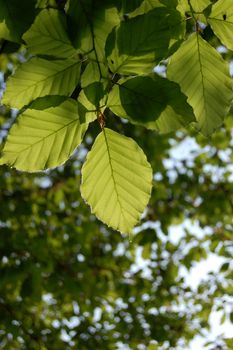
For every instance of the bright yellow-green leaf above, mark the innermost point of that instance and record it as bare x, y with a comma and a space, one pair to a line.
95, 72
221, 21
42, 139
200, 5
197, 5
48, 35
116, 180
204, 77
38, 78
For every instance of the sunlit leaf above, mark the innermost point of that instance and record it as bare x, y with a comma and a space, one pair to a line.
39, 77
204, 77
137, 44
94, 72
90, 24
151, 101
42, 139
48, 35
196, 6
116, 180
221, 21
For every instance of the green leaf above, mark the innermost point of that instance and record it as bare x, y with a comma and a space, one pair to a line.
153, 102
11, 14
48, 35
200, 5
204, 77
129, 6
94, 72
221, 21
140, 42
86, 109
148, 5
79, 23
95, 94
39, 77
225, 267
46, 102
116, 180
94, 81
90, 23
42, 139
197, 6
138, 98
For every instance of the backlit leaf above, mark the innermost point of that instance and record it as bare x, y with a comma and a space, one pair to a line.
42, 139
221, 21
140, 42
48, 35
39, 77
95, 72
116, 180
203, 76
90, 23
196, 6
151, 101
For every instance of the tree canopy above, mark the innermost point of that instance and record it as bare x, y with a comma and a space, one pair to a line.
125, 106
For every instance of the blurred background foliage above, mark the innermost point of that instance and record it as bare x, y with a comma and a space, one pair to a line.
69, 282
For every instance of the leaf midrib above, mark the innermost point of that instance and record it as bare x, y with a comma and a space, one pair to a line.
202, 76
112, 172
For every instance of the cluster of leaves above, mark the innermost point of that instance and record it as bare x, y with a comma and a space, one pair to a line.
93, 60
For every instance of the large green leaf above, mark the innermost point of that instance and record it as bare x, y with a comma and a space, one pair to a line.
11, 14
116, 180
138, 43
204, 77
42, 139
48, 35
151, 101
39, 77
221, 21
